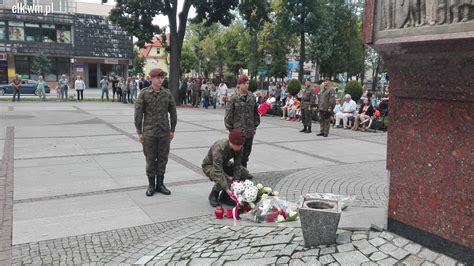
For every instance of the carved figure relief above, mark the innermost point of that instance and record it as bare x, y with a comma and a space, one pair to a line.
397, 14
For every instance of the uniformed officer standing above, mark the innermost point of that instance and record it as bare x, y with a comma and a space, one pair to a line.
219, 168
327, 101
154, 129
307, 103
195, 91
242, 112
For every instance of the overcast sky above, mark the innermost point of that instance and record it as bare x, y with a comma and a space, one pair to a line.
159, 20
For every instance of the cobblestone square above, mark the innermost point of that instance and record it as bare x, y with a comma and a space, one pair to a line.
78, 179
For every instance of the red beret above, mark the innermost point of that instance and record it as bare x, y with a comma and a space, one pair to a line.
156, 72
237, 136
242, 79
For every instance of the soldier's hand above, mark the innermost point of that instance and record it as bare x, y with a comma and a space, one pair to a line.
171, 136
141, 138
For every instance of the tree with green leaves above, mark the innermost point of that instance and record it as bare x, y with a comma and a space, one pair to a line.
277, 41
189, 60
255, 14
233, 56
138, 62
302, 17
41, 64
136, 17
336, 45
376, 64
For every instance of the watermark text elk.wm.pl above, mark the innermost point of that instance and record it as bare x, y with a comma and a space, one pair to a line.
32, 9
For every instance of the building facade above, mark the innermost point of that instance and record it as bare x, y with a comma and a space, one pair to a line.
155, 55
75, 43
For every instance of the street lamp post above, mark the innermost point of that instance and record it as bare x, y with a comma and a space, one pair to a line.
268, 61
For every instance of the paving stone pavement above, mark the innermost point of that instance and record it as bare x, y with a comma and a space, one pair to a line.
239, 245
51, 139
367, 181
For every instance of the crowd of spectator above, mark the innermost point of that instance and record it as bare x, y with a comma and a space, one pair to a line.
352, 114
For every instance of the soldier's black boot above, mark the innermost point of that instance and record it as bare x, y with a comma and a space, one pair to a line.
160, 187
151, 186
225, 198
309, 130
320, 134
303, 130
214, 198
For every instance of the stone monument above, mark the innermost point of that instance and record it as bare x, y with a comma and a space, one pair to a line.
428, 48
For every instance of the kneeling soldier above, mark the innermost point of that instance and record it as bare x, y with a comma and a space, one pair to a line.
219, 168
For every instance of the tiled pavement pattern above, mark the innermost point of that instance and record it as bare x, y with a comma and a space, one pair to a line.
89, 206
125, 245
235, 245
368, 182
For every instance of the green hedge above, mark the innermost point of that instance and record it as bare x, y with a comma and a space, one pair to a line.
354, 88
294, 86
253, 85
229, 79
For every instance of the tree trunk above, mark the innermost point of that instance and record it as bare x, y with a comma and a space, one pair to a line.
375, 74
302, 56
176, 44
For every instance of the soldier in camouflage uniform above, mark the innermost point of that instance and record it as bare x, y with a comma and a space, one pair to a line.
195, 93
154, 129
242, 112
219, 168
307, 103
326, 104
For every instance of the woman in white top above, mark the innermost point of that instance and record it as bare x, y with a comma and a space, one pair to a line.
79, 86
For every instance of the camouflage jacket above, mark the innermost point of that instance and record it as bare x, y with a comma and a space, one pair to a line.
327, 99
151, 112
220, 155
242, 112
194, 88
309, 98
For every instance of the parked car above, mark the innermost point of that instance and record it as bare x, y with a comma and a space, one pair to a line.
27, 87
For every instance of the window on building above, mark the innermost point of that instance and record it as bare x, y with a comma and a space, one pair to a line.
60, 5
53, 72
59, 66
22, 66
33, 32
3, 30
48, 32
28, 2
16, 31
63, 34
1, 2
158, 51
63, 65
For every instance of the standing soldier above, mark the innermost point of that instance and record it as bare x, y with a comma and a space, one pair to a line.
242, 112
195, 91
154, 130
327, 101
308, 102
219, 168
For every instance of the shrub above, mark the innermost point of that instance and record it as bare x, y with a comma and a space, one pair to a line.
354, 88
253, 85
294, 86
229, 79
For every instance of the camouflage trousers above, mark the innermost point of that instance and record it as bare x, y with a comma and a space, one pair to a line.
156, 150
324, 121
196, 99
306, 116
228, 171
